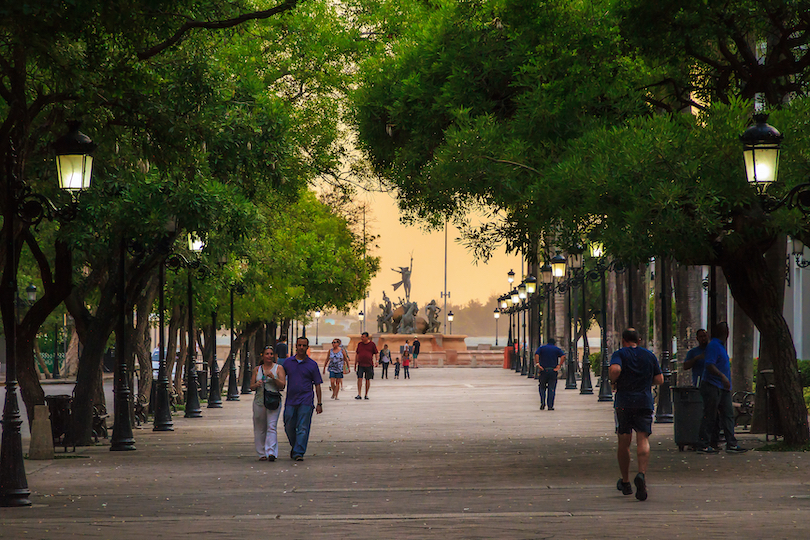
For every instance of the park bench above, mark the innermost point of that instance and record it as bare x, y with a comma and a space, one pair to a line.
743, 403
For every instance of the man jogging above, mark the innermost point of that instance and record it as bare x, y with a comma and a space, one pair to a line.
633, 370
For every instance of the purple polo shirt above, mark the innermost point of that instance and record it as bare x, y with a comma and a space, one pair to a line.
301, 377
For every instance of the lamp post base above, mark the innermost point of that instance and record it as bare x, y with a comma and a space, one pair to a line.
585, 386
192, 397
14, 490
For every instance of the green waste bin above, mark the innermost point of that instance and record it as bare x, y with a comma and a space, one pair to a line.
688, 413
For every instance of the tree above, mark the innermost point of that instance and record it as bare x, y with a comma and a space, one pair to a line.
196, 122
550, 116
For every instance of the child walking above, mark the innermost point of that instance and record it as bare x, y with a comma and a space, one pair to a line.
406, 363
396, 368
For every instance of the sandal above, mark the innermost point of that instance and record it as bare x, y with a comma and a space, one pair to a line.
263, 458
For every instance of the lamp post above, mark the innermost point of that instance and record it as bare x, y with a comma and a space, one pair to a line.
233, 386
514, 298
664, 413
317, 320
531, 288
163, 413
497, 315
177, 261
524, 364
214, 396
605, 390
450, 320
577, 262
362, 317
547, 276
74, 160
506, 303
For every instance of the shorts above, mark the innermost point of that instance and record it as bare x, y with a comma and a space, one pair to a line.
629, 420
366, 372
335, 374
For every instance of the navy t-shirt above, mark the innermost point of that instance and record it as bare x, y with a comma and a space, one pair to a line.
697, 367
633, 387
549, 356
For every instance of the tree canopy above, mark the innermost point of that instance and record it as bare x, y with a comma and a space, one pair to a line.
570, 122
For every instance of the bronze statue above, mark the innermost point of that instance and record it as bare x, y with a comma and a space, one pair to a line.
433, 323
405, 282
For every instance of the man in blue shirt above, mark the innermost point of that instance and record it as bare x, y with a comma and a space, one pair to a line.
715, 389
633, 370
548, 359
302, 376
694, 358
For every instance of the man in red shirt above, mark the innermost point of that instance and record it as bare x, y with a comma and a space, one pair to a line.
364, 358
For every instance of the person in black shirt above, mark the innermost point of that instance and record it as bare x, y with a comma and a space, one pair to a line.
633, 370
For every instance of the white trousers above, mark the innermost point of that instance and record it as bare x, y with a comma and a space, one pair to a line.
265, 435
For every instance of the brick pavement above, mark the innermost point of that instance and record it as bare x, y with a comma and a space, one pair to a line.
452, 453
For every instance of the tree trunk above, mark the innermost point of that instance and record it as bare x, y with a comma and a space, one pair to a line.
182, 354
239, 339
172, 346
755, 285
742, 363
688, 310
88, 380
71, 365
617, 309
42, 366
141, 344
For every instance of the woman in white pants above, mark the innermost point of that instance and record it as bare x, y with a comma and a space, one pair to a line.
267, 376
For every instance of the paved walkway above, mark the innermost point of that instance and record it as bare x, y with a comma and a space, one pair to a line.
452, 453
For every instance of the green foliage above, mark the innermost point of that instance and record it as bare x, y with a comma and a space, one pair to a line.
804, 372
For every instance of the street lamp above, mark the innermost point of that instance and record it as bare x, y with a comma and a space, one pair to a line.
450, 320
74, 160
761, 145
524, 365
497, 315
361, 317
510, 277
558, 264
547, 276
177, 261
605, 391
317, 319
233, 386
31, 293
531, 285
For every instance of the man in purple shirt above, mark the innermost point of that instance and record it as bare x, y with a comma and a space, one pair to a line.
302, 375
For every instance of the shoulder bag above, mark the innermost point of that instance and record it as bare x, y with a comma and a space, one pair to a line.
272, 400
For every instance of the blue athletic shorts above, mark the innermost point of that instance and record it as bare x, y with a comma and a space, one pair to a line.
335, 374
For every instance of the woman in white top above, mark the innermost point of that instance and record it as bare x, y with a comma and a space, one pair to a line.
267, 376
336, 362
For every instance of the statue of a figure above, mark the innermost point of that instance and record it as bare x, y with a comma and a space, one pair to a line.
405, 274
407, 324
433, 317
385, 321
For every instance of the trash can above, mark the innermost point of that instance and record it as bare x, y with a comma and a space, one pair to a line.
688, 413
59, 407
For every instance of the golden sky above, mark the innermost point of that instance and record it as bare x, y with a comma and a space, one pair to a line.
466, 280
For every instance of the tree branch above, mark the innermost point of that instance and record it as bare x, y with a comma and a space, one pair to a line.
516, 164
216, 25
